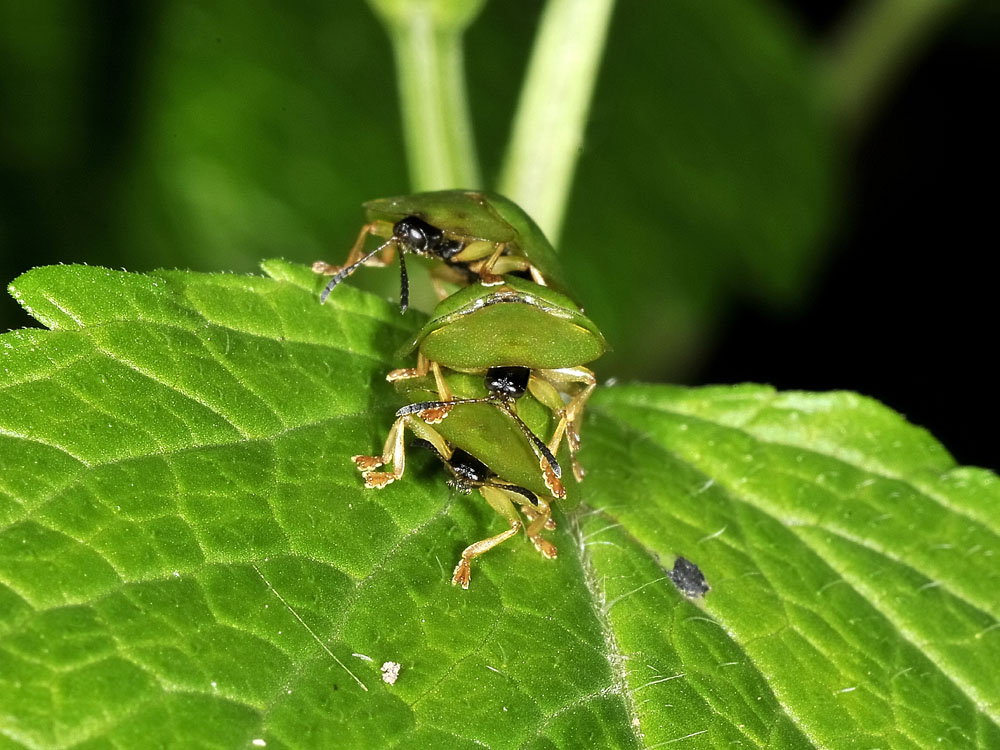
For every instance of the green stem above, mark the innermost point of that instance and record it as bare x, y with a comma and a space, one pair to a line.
427, 41
548, 128
872, 47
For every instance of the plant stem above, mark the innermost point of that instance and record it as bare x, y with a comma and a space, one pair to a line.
427, 42
551, 114
871, 48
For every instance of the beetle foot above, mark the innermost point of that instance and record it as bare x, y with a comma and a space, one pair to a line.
552, 481
435, 414
367, 463
547, 548
490, 279
404, 373
463, 572
578, 472
572, 437
550, 524
324, 268
376, 480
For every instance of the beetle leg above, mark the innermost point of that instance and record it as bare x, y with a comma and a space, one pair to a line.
500, 500
477, 250
547, 462
509, 263
423, 366
559, 381
537, 277
485, 269
444, 392
541, 517
395, 452
531, 515
377, 228
548, 395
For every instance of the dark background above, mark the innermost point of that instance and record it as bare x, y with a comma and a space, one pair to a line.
900, 303
907, 308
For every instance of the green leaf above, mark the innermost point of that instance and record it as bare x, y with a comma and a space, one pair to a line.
188, 557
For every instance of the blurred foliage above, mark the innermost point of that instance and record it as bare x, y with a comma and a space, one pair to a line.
203, 136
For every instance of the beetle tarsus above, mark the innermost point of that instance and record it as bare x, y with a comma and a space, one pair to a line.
377, 480
462, 574
367, 463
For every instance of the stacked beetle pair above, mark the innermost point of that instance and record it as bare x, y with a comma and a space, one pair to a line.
498, 365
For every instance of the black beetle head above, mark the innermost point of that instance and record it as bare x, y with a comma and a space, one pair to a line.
416, 235
511, 382
468, 467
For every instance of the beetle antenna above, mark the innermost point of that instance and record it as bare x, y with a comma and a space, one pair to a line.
424, 405
527, 494
404, 284
343, 273
540, 448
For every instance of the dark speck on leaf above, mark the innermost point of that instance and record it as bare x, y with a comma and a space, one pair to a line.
688, 578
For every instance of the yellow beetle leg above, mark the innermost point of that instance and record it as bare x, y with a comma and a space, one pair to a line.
422, 368
444, 392
377, 228
394, 452
546, 386
485, 269
510, 263
500, 501
474, 251
539, 518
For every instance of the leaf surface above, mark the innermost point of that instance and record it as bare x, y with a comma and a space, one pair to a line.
188, 557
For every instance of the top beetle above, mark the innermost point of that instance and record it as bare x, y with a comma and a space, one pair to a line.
474, 234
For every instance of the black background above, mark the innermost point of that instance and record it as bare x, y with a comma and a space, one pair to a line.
910, 295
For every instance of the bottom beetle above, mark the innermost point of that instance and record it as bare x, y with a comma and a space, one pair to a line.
480, 418
469, 473
487, 446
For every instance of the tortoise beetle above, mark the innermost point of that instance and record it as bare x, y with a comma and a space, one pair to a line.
475, 234
518, 324
486, 446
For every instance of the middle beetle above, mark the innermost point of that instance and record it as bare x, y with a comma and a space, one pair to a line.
516, 325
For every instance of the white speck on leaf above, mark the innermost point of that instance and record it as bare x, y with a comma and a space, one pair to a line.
390, 672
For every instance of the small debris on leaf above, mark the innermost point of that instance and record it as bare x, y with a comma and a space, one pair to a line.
688, 578
390, 672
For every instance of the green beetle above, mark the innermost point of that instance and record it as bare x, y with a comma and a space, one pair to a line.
469, 473
487, 445
516, 324
475, 234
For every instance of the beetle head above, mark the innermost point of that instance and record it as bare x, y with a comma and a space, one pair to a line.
509, 382
415, 235
468, 467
